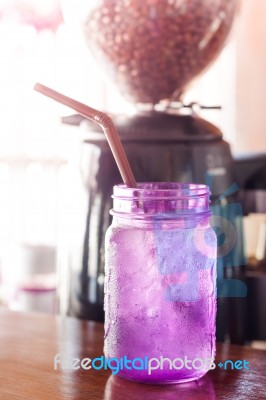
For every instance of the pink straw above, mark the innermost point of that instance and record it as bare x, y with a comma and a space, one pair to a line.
105, 123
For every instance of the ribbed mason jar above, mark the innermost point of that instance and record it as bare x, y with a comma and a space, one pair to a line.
160, 284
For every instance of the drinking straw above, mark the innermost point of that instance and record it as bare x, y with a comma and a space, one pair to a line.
105, 122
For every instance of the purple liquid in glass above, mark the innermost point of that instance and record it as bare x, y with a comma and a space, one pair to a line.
160, 288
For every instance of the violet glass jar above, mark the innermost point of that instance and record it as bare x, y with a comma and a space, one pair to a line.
160, 285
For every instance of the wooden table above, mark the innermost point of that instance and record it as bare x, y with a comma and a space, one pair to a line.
29, 342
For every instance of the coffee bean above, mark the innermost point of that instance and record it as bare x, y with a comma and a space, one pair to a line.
152, 49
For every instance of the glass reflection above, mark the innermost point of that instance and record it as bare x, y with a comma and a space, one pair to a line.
117, 388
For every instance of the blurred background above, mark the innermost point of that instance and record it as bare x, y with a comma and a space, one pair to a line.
42, 199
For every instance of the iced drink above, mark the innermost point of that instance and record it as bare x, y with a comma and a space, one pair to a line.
160, 288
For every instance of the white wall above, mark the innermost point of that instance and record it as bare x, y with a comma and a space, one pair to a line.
251, 77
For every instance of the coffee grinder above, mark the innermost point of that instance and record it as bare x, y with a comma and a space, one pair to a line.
153, 49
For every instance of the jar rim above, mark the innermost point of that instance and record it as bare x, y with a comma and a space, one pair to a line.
150, 198
161, 190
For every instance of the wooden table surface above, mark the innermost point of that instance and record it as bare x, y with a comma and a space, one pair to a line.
29, 342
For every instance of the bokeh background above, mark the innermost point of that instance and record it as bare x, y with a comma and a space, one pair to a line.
42, 201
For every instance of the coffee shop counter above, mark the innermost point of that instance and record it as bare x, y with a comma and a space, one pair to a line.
30, 342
